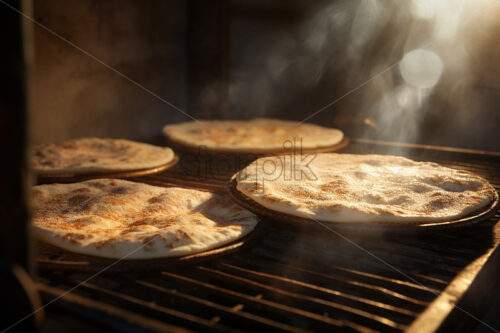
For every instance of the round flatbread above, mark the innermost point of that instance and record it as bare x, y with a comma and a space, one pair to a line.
363, 188
252, 136
122, 219
95, 155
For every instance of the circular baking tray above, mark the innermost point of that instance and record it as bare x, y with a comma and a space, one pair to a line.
471, 219
77, 177
179, 147
50, 257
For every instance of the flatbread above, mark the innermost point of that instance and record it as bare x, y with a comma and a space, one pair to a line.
363, 188
251, 136
117, 218
95, 155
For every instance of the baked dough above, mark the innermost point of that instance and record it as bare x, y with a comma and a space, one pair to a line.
95, 155
116, 218
364, 188
252, 136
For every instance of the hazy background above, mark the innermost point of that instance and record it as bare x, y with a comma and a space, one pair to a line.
286, 59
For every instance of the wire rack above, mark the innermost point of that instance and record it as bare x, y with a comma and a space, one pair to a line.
300, 279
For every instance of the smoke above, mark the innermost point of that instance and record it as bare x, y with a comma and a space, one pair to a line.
417, 64
426, 45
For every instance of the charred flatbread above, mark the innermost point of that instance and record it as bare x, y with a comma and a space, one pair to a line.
116, 218
251, 136
364, 188
96, 155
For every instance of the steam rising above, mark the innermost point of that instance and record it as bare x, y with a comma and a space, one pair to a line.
419, 58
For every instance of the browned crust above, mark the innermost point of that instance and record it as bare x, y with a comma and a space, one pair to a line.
195, 150
51, 257
73, 177
472, 218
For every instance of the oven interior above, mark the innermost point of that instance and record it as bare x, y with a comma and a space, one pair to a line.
124, 69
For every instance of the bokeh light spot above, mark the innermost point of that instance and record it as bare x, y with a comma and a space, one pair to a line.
421, 68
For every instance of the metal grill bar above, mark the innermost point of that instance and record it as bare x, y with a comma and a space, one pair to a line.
303, 297
235, 313
93, 309
321, 321
157, 311
293, 270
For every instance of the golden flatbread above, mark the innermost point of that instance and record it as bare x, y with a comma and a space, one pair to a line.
117, 218
364, 188
95, 155
251, 136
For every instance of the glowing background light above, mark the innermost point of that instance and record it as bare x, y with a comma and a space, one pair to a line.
425, 9
421, 68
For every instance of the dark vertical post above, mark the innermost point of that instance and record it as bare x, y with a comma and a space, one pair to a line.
207, 58
17, 290
14, 246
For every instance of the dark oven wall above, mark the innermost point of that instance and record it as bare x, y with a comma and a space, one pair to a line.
331, 62
78, 95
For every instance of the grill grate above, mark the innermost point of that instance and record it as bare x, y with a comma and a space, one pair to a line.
291, 279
